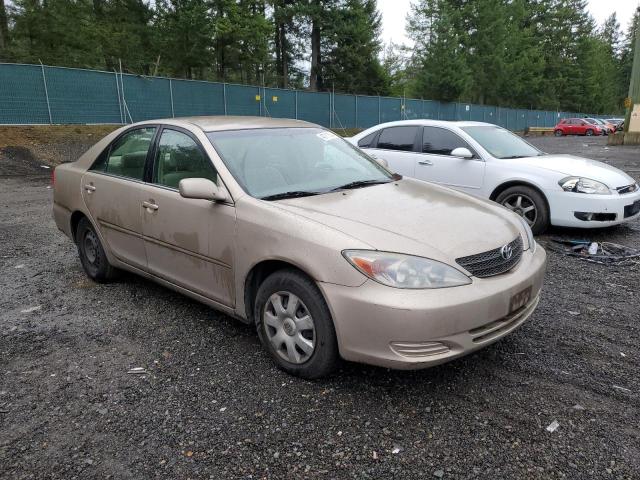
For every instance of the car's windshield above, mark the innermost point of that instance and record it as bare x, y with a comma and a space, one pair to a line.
501, 143
275, 163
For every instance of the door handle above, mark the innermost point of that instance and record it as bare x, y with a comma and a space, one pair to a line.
150, 205
425, 162
90, 188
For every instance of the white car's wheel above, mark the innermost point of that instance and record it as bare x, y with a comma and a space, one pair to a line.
529, 204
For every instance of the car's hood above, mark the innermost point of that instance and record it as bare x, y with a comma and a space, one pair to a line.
571, 165
414, 217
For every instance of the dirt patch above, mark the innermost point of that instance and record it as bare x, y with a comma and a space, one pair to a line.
49, 144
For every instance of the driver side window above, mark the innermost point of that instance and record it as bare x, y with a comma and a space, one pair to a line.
438, 141
179, 157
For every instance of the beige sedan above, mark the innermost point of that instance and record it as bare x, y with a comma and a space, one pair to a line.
283, 224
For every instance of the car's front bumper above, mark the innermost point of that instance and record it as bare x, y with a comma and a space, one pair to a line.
607, 209
410, 329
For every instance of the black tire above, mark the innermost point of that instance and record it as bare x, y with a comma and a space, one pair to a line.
589, 133
541, 219
324, 358
92, 256
558, 133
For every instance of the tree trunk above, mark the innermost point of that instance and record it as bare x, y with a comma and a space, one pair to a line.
315, 82
4, 28
278, 48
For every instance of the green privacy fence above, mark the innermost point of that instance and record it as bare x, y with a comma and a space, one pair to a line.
37, 94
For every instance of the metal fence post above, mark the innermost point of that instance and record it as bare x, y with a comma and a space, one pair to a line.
379, 112
171, 96
330, 112
46, 93
296, 104
356, 117
119, 101
224, 97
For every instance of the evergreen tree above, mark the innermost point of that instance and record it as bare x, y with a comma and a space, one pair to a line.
352, 47
439, 62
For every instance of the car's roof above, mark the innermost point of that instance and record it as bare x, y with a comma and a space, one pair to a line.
220, 122
424, 121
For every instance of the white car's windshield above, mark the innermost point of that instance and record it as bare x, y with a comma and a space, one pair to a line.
279, 163
501, 143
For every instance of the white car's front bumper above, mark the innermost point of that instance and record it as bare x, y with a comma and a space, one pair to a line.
582, 210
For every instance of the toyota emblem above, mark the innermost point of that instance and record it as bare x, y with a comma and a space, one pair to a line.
506, 252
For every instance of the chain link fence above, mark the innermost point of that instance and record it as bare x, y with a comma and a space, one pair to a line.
39, 94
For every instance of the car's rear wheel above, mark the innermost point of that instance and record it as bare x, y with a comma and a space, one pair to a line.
529, 204
558, 133
589, 133
295, 326
92, 256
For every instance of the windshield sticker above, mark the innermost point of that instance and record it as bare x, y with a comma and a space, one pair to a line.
326, 136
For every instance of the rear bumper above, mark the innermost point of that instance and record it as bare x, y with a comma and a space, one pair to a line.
62, 217
411, 329
613, 209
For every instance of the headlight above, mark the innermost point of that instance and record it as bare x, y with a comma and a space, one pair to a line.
583, 185
405, 271
527, 229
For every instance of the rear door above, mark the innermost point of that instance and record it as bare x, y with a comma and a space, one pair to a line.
398, 146
188, 242
436, 164
112, 190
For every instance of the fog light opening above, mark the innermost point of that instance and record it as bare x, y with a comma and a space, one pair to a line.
595, 217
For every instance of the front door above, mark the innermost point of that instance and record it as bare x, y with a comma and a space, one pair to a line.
397, 145
188, 242
112, 190
436, 164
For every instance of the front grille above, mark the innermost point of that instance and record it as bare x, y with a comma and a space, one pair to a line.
627, 189
488, 264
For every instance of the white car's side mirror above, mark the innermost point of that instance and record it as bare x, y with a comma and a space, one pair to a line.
461, 152
382, 162
201, 189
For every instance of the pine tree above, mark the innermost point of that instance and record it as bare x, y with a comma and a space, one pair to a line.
352, 47
439, 61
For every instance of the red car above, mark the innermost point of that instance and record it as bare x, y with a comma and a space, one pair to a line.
576, 126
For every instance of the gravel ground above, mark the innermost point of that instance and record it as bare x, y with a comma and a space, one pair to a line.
212, 405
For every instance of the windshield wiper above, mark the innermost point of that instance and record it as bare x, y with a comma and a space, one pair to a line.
513, 156
293, 194
359, 184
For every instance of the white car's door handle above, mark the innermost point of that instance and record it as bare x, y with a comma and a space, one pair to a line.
425, 162
150, 205
90, 188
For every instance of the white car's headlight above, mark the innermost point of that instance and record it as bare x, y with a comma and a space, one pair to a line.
530, 240
405, 271
584, 185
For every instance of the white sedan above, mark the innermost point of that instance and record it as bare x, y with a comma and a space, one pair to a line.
491, 162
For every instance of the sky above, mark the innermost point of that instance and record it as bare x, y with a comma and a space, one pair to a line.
394, 13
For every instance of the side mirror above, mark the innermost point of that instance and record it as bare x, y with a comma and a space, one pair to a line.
381, 161
462, 152
201, 189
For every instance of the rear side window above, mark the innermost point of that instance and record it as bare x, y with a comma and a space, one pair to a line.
438, 141
178, 157
127, 155
366, 141
398, 138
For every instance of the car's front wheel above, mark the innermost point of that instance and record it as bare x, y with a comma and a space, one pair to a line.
295, 326
558, 133
589, 133
92, 256
529, 204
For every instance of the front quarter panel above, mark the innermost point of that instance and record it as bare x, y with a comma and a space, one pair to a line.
267, 232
